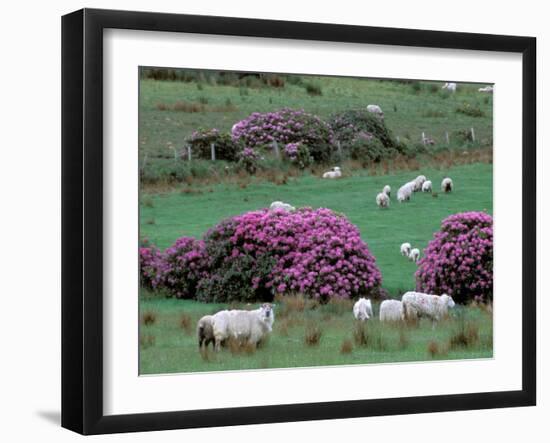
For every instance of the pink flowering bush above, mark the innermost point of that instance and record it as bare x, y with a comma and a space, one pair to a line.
260, 130
459, 259
298, 153
184, 265
249, 159
150, 263
258, 254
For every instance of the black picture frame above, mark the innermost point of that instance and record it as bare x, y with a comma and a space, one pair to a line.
82, 219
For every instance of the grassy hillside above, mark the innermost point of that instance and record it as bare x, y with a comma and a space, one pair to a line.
410, 109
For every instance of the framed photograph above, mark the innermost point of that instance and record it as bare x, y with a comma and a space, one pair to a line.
270, 221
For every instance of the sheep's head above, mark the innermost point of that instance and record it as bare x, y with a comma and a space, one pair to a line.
448, 300
266, 311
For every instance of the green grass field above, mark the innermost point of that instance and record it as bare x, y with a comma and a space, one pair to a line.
174, 348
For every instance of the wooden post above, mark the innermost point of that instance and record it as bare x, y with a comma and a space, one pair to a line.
144, 161
339, 148
424, 139
397, 139
213, 151
189, 153
276, 149
175, 154
447, 137
473, 134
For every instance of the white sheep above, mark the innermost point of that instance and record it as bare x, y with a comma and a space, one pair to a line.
427, 186
205, 332
405, 249
362, 309
414, 255
334, 173
418, 304
249, 327
418, 182
488, 89
446, 185
280, 206
375, 109
449, 87
404, 192
391, 310
387, 190
382, 200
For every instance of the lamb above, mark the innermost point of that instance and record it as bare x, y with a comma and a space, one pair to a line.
205, 333
334, 173
404, 192
382, 200
446, 185
405, 249
427, 186
418, 304
391, 310
449, 87
414, 255
249, 327
418, 182
387, 190
280, 206
362, 309
375, 109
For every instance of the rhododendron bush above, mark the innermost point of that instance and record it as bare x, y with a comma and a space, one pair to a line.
459, 259
260, 130
258, 254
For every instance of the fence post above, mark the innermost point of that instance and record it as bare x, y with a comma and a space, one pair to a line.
473, 134
424, 139
339, 148
276, 149
144, 161
397, 139
188, 153
447, 137
175, 154
213, 151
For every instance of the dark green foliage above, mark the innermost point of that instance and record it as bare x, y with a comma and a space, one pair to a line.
201, 141
347, 124
470, 110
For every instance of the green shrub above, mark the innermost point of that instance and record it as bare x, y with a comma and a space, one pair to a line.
349, 125
367, 149
201, 141
469, 110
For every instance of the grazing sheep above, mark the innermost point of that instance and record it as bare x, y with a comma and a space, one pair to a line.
391, 310
405, 249
404, 192
375, 109
427, 186
418, 182
244, 326
387, 190
449, 87
362, 309
414, 255
205, 333
334, 173
280, 206
382, 200
488, 89
418, 304
446, 185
